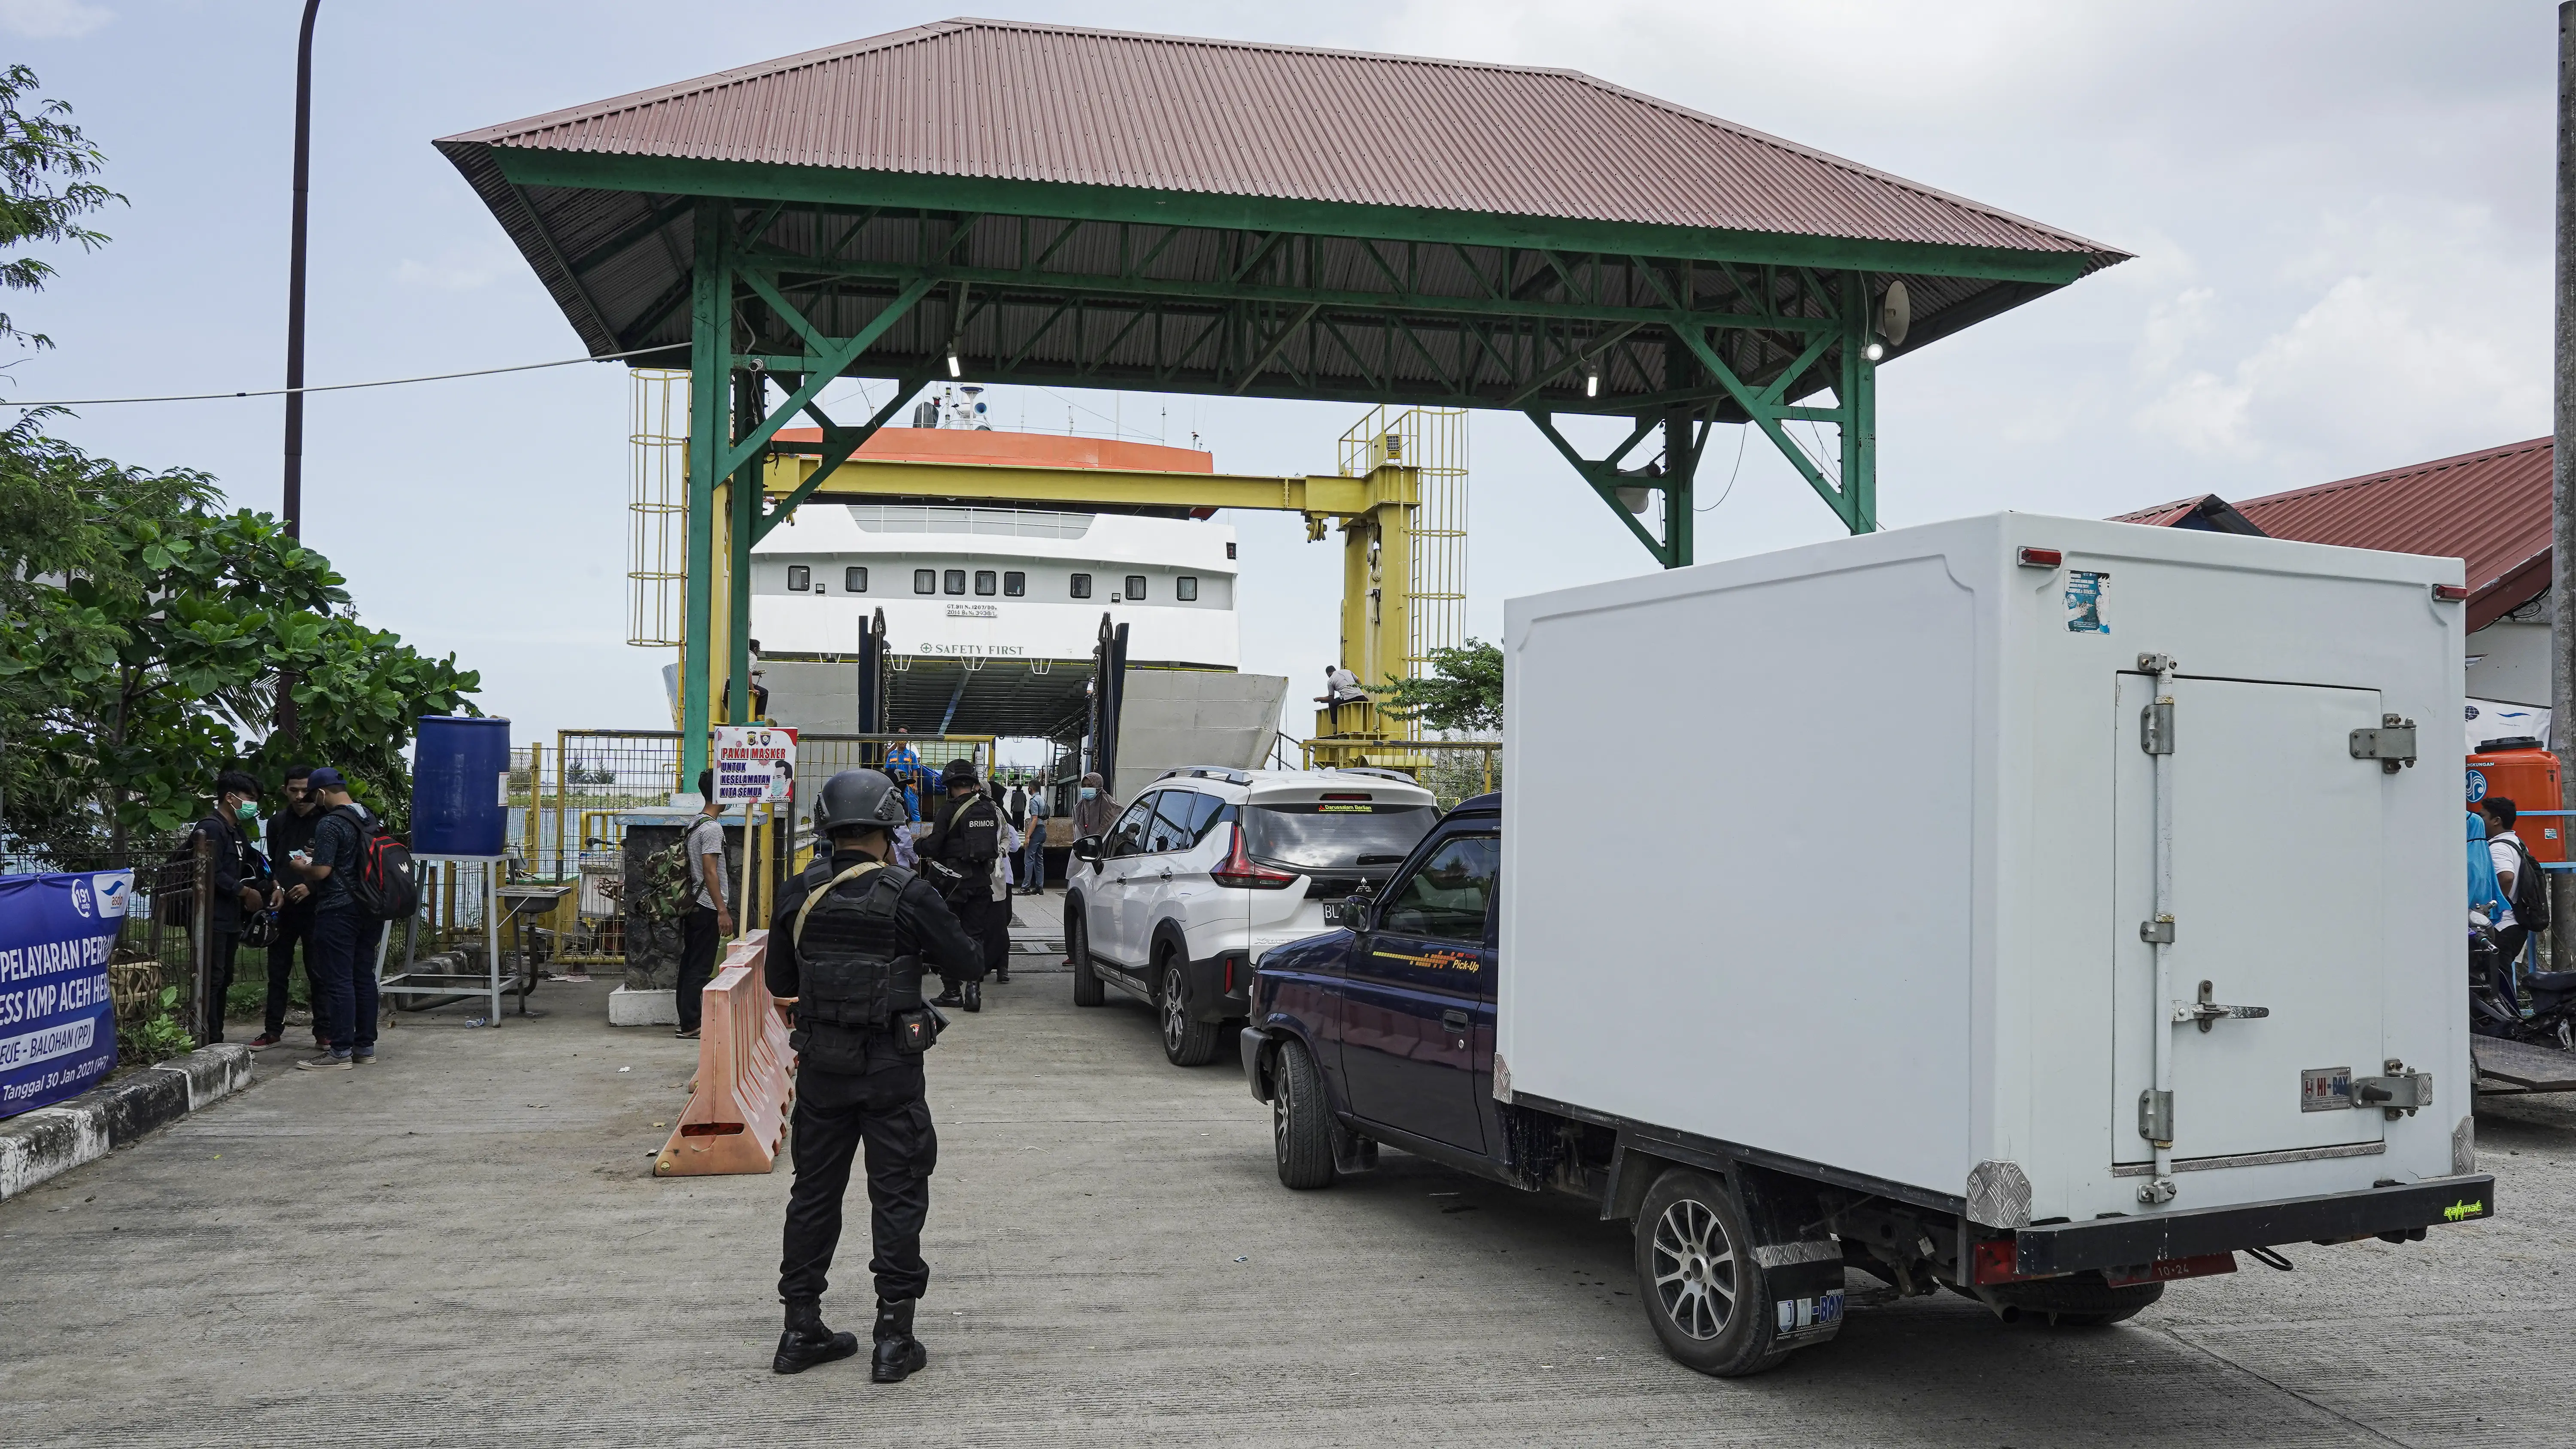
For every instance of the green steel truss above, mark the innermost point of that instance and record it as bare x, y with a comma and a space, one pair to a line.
792, 293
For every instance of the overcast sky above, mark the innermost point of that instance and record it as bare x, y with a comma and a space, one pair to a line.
2340, 215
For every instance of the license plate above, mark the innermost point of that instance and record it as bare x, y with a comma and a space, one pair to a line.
1800, 1317
2325, 1089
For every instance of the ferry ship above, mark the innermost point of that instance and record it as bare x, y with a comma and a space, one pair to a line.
991, 614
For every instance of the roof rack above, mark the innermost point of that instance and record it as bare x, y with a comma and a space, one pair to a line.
1226, 773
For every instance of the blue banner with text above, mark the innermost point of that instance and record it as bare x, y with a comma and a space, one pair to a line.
57, 1024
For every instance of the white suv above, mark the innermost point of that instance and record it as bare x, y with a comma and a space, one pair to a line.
1210, 867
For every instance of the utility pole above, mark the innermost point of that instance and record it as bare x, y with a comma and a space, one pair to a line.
2562, 562
294, 491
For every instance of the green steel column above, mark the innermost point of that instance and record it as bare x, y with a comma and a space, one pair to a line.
748, 402
1859, 407
1681, 470
710, 416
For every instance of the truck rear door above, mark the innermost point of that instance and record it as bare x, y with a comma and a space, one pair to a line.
2278, 877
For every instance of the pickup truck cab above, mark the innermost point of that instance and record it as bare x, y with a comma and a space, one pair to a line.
1382, 1030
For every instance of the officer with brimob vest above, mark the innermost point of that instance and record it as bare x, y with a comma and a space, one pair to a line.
847, 944
965, 839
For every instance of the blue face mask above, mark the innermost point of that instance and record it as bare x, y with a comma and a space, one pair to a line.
1088, 792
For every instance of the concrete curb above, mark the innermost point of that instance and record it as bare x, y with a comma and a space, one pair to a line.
53, 1140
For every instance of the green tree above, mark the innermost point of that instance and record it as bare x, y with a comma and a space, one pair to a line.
45, 190
1464, 691
126, 682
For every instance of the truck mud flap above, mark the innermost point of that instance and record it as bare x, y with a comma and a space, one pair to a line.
2114, 1242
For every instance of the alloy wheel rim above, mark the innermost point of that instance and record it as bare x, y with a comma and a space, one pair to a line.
1176, 1019
1694, 1269
1279, 1117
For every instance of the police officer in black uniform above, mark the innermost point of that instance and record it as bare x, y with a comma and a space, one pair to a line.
847, 943
965, 836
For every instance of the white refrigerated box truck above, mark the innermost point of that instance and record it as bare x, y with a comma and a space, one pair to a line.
2040, 906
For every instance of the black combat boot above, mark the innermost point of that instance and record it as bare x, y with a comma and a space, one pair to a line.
1001, 975
807, 1342
974, 996
948, 997
899, 1354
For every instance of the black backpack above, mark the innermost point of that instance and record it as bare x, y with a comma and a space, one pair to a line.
380, 883
2530, 892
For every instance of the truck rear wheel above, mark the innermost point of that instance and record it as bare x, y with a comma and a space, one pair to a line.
2084, 1300
1301, 1123
1077, 946
1703, 1291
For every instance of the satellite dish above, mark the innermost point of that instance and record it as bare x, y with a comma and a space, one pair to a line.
1895, 314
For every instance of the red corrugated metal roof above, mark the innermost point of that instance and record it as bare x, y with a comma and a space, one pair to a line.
1011, 101
2490, 509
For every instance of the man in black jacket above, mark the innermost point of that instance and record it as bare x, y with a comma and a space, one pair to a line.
290, 832
965, 836
847, 943
234, 885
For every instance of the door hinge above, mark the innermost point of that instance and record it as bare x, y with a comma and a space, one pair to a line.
2392, 744
2207, 1012
2400, 1093
2155, 1117
2156, 728
2158, 932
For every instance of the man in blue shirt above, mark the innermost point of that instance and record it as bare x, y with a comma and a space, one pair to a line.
345, 985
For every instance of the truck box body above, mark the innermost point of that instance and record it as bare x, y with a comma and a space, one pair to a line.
1872, 895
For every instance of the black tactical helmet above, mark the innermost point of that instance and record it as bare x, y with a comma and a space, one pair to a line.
959, 772
858, 797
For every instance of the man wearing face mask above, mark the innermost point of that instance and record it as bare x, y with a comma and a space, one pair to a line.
233, 888
1093, 809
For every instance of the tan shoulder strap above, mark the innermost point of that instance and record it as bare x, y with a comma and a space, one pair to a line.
960, 812
796, 934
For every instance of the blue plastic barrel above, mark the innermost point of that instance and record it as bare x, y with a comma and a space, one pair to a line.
460, 782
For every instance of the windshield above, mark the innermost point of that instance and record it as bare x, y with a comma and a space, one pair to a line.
1334, 836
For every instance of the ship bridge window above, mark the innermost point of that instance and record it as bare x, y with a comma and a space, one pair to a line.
1082, 586
925, 581
984, 581
1135, 586
799, 578
854, 580
1015, 584
954, 581
1186, 588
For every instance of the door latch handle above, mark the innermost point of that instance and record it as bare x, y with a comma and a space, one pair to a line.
2206, 1011
1455, 1021
1167, 872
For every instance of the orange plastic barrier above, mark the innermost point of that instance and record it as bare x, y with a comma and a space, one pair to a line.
736, 1120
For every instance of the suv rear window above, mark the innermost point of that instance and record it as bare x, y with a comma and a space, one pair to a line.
1329, 835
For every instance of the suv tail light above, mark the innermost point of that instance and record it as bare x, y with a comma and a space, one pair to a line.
1244, 873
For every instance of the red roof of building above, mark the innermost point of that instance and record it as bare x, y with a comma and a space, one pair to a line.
1007, 100
1024, 450
2490, 509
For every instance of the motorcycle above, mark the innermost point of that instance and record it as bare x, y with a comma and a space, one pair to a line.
2494, 1010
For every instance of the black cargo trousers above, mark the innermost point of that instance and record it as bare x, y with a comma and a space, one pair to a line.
975, 910
885, 1108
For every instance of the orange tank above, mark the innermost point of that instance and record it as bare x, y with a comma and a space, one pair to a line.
2524, 773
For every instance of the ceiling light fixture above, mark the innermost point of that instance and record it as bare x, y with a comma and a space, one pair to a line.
955, 368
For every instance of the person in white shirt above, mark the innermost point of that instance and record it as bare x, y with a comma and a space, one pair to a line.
2512, 861
710, 918
1341, 686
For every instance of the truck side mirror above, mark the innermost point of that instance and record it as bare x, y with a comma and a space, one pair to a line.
1351, 912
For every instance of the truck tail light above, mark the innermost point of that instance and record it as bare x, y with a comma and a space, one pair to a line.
1244, 873
2041, 558
2450, 593
1994, 1262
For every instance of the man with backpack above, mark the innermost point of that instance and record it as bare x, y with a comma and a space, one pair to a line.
965, 840
344, 985
2525, 885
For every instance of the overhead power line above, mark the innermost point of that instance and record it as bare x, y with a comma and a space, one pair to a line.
91, 402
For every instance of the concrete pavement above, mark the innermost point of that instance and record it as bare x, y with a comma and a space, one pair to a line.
463, 1245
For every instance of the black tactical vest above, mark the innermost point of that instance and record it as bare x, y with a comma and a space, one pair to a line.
853, 974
